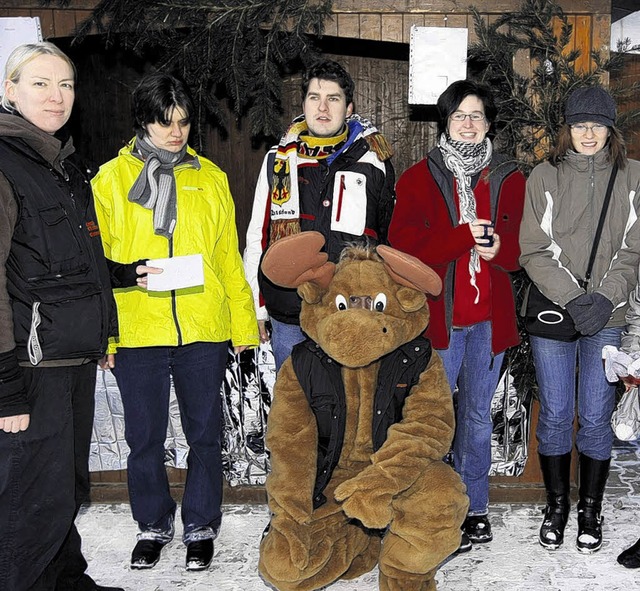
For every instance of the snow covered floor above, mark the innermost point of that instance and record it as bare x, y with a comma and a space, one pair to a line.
514, 561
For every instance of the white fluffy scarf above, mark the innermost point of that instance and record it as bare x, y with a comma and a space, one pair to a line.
465, 159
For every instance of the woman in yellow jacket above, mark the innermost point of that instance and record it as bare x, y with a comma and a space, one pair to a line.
159, 199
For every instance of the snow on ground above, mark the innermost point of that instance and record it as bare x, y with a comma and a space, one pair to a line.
514, 561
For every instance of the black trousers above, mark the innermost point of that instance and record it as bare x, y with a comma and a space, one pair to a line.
44, 478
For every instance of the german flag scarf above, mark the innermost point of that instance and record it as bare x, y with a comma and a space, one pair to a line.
296, 145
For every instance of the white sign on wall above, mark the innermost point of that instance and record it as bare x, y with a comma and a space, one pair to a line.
15, 31
437, 57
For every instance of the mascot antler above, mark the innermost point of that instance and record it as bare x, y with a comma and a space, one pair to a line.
297, 259
410, 271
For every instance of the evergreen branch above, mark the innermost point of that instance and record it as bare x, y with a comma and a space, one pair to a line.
530, 109
234, 48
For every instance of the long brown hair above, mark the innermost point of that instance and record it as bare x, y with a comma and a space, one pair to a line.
615, 146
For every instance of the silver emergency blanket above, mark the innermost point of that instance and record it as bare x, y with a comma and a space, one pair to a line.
510, 436
246, 398
246, 401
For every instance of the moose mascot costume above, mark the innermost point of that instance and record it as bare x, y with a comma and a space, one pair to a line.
361, 419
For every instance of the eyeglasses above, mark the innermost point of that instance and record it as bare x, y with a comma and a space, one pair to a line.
462, 116
596, 128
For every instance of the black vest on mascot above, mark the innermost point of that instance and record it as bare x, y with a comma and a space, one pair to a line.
321, 380
56, 274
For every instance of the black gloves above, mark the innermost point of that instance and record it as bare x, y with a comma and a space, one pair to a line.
590, 312
578, 308
124, 275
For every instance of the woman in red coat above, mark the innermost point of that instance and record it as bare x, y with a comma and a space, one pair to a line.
459, 211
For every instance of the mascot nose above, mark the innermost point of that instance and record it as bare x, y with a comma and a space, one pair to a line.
364, 302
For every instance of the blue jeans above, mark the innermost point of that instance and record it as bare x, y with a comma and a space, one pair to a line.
555, 363
143, 376
283, 338
471, 368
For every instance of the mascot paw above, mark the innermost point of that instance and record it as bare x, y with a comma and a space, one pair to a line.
290, 553
371, 507
293, 540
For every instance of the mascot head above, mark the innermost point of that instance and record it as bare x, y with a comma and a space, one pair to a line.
366, 306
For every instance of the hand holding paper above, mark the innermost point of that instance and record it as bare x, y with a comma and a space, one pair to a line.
143, 271
177, 273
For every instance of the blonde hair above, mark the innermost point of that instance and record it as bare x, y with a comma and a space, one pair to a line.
20, 57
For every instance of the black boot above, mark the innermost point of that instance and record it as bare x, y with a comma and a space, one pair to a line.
593, 479
630, 558
556, 474
146, 553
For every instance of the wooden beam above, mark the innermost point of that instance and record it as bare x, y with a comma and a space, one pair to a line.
582, 34
46, 23
408, 21
14, 12
349, 25
380, 6
331, 26
359, 19
37, 4
64, 23
601, 40
370, 27
392, 27
457, 21
455, 6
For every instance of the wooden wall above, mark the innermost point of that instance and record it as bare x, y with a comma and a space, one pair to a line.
381, 20
376, 20
101, 121
370, 37
55, 20
630, 74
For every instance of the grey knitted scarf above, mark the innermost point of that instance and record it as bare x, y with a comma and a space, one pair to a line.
465, 159
155, 187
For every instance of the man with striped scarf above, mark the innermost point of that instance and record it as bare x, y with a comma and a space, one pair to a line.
331, 172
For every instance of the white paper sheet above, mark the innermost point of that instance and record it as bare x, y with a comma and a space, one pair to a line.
178, 273
16, 30
437, 57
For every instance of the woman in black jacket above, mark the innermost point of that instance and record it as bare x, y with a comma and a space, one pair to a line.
56, 313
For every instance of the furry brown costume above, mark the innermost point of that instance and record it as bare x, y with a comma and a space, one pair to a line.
400, 505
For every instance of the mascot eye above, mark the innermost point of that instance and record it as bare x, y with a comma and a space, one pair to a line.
341, 302
380, 303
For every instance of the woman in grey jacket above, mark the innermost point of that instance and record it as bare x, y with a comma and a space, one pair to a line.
563, 202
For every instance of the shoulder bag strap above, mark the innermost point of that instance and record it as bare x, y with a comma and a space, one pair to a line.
603, 215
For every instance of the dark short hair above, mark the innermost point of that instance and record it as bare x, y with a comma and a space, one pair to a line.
456, 92
329, 70
155, 98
